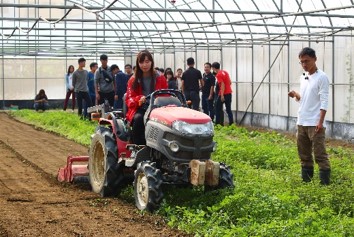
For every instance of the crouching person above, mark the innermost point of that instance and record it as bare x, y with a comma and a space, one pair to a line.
41, 101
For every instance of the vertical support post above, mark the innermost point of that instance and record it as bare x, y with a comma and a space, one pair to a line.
164, 49
28, 26
196, 56
174, 60
130, 21
281, 6
3, 60
82, 24
269, 85
252, 87
236, 82
36, 52
333, 87
213, 2
287, 123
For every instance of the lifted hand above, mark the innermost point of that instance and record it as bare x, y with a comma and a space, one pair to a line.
292, 94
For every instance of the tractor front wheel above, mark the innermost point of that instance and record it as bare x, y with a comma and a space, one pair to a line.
147, 186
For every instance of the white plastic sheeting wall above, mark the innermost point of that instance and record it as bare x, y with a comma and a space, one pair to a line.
22, 78
275, 70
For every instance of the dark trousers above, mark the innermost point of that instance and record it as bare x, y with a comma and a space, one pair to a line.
194, 97
138, 131
67, 97
93, 102
41, 106
208, 106
106, 96
219, 109
82, 95
118, 104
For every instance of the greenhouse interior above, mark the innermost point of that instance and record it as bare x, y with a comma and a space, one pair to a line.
256, 41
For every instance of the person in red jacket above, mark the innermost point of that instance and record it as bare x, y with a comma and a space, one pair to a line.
144, 81
225, 94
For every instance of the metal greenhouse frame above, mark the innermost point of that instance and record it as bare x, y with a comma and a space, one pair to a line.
257, 41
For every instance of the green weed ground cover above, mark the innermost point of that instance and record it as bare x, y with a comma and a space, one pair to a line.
269, 198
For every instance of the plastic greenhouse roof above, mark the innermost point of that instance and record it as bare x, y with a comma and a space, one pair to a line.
76, 27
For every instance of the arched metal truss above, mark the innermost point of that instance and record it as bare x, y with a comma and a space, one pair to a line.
79, 27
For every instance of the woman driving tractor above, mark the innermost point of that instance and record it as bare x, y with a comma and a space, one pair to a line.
144, 81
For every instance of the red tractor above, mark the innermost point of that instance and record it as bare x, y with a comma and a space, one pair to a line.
179, 143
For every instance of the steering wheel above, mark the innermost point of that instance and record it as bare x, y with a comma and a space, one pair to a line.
150, 99
149, 105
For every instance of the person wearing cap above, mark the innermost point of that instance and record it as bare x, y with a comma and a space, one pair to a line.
191, 84
80, 79
104, 82
225, 94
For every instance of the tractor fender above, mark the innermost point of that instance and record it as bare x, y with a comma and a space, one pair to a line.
143, 154
122, 130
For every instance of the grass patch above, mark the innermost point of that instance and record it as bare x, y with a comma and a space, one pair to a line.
269, 198
63, 123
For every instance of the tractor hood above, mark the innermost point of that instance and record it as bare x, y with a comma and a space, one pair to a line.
167, 115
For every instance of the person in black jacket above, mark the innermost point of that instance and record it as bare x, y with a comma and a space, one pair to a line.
192, 83
41, 101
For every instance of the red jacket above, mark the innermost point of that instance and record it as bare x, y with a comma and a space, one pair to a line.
133, 96
223, 77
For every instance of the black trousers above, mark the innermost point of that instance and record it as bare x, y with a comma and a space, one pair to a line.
208, 105
80, 96
219, 109
108, 96
138, 133
194, 97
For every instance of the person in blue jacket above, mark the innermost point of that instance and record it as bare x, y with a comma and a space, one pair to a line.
121, 80
91, 85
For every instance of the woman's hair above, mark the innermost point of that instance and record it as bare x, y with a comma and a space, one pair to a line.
168, 72
138, 72
41, 92
71, 66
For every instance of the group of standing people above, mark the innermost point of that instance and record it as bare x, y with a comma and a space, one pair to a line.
93, 87
214, 84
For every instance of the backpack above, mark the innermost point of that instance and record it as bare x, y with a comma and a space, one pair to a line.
105, 75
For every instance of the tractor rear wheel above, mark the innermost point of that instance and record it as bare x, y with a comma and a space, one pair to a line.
147, 186
105, 172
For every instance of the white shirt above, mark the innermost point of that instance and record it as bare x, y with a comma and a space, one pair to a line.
314, 90
69, 81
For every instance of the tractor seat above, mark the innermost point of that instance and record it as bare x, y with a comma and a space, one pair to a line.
164, 101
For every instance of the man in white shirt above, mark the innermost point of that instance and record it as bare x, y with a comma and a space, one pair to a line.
313, 100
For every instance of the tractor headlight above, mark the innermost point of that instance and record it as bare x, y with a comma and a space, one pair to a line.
173, 146
197, 129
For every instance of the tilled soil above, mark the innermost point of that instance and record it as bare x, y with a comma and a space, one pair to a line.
33, 203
